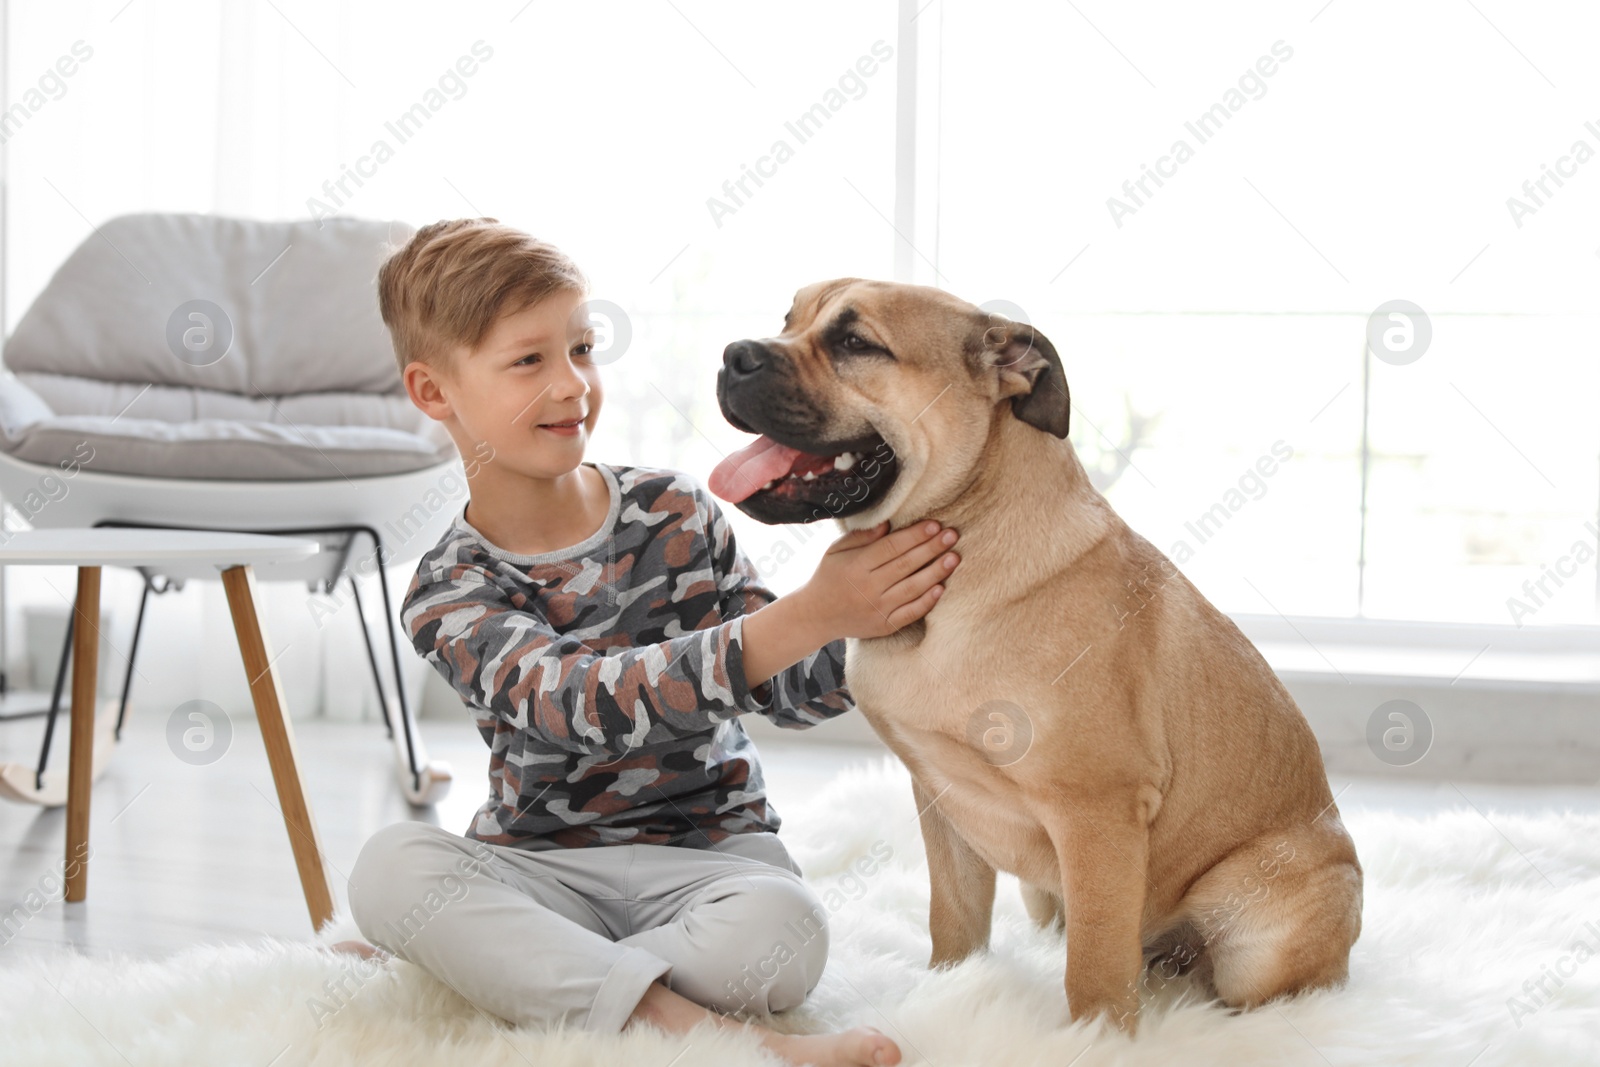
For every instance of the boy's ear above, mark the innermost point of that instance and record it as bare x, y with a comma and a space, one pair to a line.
422, 386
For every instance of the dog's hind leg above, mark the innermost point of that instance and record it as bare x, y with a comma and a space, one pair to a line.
1177, 954
1279, 914
1044, 907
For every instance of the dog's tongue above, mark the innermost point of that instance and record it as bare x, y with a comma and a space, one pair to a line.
750, 468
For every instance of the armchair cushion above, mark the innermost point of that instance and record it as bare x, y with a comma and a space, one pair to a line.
300, 298
307, 387
211, 448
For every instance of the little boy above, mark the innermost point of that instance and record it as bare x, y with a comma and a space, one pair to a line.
606, 631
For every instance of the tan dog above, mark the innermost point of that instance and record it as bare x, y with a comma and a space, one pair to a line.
1073, 711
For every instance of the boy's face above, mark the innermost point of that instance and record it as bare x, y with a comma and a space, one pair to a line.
532, 373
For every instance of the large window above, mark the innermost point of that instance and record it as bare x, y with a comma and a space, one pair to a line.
702, 161
1203, 205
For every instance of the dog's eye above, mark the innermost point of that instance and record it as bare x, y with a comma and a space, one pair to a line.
854, 344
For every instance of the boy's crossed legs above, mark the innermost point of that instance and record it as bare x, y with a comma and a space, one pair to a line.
608, 936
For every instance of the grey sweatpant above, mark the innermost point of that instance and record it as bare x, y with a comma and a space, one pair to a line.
576, 935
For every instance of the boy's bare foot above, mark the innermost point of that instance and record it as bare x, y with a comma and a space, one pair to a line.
359, 948
863, 1046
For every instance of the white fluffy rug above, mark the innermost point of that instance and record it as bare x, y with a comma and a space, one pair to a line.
1463, 921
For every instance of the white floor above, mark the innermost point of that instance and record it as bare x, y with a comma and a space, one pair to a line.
184, 854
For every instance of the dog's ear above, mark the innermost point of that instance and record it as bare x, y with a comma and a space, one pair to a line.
1030, 374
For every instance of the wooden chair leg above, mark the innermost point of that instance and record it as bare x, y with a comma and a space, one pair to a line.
80, 758
279, 740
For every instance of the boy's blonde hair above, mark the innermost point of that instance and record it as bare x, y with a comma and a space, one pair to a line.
447, 285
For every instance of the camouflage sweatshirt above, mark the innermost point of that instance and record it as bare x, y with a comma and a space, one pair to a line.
607, 678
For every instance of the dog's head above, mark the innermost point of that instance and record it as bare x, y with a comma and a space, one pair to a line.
876, 398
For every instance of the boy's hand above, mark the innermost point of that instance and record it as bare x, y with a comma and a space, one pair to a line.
869, 584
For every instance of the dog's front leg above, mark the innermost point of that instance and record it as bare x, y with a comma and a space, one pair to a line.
1103, 851
961, 905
